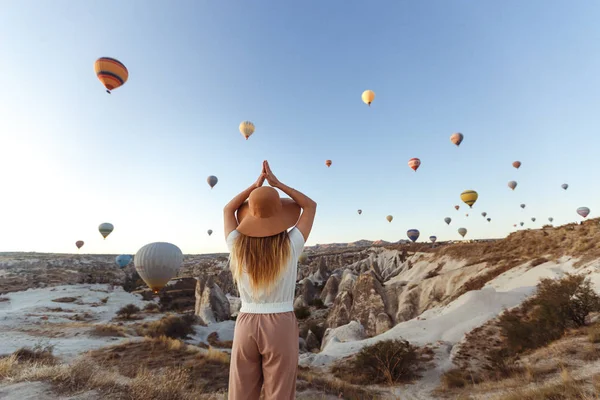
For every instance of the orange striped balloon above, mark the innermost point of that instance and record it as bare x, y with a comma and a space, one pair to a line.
328, 163
111, 72
414, 163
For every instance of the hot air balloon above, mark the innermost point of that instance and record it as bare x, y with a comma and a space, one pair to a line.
79, 244
433, 238
448, 220
328, 163
516, 164
515, 225
523, 206
212, 181
456, 207
489, 220
303, 258
467, 214
359, 212
484, 214
469, 197
533, 219
209, 232
462, 232
112, 73
413, 234
246, 129
157, 263
414, 163
583, 211
389, 218
123, 260
368, 96
105, 229
564, 186
521, 223
457, 138
512, 185
550, 219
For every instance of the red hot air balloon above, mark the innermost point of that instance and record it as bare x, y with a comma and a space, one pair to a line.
516, 164
457, 138
457, 207
328, 163
414, 163
79, 244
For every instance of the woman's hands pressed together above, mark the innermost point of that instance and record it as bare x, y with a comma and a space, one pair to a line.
271, 178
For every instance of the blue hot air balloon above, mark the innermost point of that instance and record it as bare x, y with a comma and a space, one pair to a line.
413, 234
123, 260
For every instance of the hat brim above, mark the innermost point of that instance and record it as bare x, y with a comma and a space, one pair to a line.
252, 226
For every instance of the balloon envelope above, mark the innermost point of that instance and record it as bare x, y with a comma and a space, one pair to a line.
583, 211
469, 197
359, 212
489, 219
328, 163
522, 205
105, 229
448, 220
368, 96
456, 207
303, 258
79, 244
516, 164
123, 260
212, 181
484, 214
246, 129
157, 263
533, 219
564, 186
462, 232
433, 238
210, 231
389, 218
521, 223
550, 219
413, 234
512, 185
414, 163
457, 138
111, 72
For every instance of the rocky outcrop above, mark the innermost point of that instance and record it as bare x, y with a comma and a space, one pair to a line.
346, 333
211, 303
330, 290
347, 282
340, 311
235, 303
369, 303
312, 342
305, 293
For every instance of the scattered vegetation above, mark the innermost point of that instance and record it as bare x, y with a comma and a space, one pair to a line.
40, 353
387, 361
151, 308
104, 300
108, 330
302, 312
213, 340
65, 300
128, 311
333, 386
3, 299
132, 281
538, 261
171, 326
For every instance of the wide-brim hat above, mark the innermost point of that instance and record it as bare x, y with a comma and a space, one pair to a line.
266, 214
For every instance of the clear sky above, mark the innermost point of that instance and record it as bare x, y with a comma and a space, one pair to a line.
520, 79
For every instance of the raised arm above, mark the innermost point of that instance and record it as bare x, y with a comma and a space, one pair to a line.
230, 222
309, 207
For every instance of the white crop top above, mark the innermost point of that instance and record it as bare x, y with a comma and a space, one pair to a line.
281, 297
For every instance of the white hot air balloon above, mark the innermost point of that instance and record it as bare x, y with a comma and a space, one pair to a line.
157, 263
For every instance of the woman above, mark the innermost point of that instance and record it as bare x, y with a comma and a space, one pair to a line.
264, 263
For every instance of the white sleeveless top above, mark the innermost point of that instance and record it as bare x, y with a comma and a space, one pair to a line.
281, 297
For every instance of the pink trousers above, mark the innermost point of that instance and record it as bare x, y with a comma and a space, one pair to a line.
264, 356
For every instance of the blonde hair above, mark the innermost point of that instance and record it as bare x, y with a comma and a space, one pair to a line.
262, 258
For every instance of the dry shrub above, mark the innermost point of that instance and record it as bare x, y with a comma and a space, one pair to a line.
65, 300
213, 340
151, 307
454, 378
302, 312
387, 361
104, 300
42, 354
7, 365
128, 311
333, 386
3, 299
108, 330
538, 261
568, 389
216, 355
173, 326
164, 384
594, 333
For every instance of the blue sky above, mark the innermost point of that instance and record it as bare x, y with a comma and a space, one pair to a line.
519, 79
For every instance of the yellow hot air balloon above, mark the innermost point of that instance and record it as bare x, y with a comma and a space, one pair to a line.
246, 129
112, 73
469, 197
368, 96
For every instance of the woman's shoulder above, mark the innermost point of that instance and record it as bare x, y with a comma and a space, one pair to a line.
296, 238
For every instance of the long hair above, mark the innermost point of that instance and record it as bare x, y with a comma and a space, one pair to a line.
262, 258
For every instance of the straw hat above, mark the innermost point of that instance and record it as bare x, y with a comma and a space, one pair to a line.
266, 214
